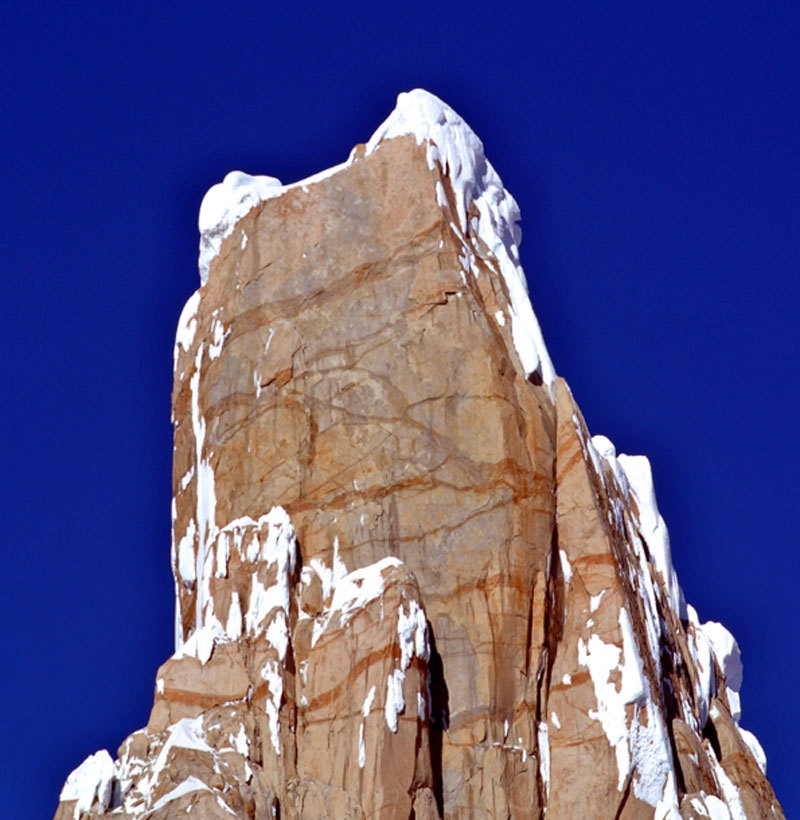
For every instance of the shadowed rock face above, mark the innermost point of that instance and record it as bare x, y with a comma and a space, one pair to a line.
408, 582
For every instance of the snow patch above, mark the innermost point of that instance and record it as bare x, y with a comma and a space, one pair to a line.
350, 591
702, 654
729, 791
187, 326
566, 567
92, 779
395, 703
219, 334
187, 733
191, 784
362, 749
594, 601
228, 201
367, 705
715, 808
224, 205
756, 749
729, 658
543, 739
365, 710
641, 748
653, 529
241, 743
272, 676
412, 630
200, 644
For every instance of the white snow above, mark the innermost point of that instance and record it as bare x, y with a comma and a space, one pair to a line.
454, 146
643, 748
367, 705
365, 710
543, 739
667, 807
279, 550
756, 749
263, 600
707, 643
272, 676
223, 555
594, 601
554, 720
651, 524
441, 197
566, 567
602, 659
187, 477
702, 654
278, 634
654, 781
395, 703
362, 749
187, 324
729, 659
729, 790
711, 807
219, 334
92, 779
200, 644
352, 591
185, 549
241, 743
191, 784
228, 201
412, 631
187, 733
349, 592
205, 493
224, 205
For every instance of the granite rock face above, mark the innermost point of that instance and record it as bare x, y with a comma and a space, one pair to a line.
409, 583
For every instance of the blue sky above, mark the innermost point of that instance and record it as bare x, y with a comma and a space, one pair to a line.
653, 149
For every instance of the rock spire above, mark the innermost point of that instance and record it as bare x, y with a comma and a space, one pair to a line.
409, 583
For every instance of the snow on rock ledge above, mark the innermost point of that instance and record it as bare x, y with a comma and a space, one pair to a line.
92, 779
224, 205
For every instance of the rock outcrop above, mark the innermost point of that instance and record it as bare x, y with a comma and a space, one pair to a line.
409, 583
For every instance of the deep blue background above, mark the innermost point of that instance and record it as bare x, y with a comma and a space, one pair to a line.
654, 154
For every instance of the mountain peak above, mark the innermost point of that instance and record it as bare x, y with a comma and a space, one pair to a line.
409, 582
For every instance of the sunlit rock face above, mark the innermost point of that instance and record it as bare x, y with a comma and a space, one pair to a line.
409, 584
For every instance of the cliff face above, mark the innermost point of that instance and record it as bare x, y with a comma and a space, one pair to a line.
408, 581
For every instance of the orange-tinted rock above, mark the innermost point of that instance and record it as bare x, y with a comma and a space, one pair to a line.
409, 583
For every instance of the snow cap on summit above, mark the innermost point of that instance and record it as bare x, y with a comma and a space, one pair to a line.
455, 147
